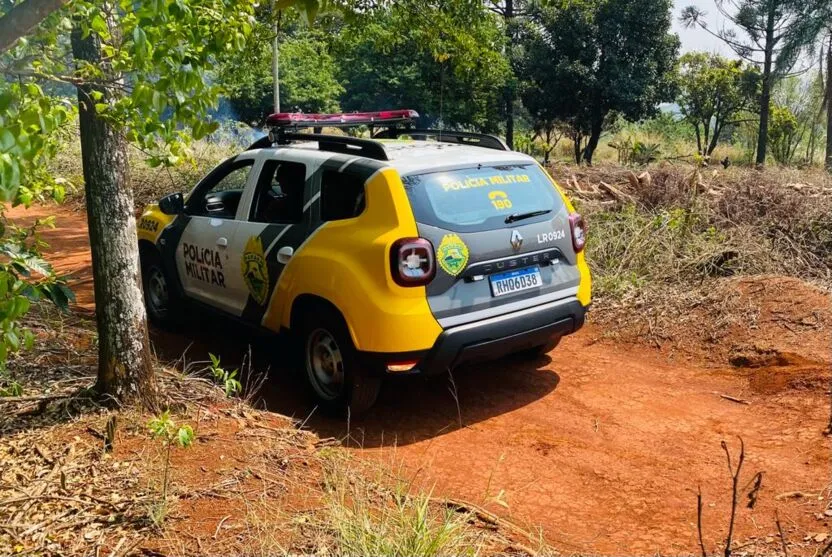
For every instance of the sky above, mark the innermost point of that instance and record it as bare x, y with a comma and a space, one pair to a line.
697, 38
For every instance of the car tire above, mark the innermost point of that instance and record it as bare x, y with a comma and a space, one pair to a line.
334, 374
160, 300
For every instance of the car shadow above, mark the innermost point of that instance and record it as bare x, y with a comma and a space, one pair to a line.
409, 408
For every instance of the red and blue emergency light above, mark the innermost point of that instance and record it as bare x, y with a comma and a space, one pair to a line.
340, 120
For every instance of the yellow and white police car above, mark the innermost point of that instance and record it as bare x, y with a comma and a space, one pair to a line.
409, 253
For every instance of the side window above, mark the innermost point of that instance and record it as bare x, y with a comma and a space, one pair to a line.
278, 198
220, 195
342, 195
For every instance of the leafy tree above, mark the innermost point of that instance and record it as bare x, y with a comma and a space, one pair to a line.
774, 37
783, 134
811, 30
713, 92
442, 58
803, 98
583, 62
140, 73
511, 12
307, 78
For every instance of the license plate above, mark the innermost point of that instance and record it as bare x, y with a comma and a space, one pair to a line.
515, 281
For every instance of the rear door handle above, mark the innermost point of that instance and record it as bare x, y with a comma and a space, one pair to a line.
222, 242
284, 254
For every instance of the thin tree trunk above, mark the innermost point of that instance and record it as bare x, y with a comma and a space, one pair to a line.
829, 106
509, 92
594, 137
125, 372
698, 140
765, 97
714, 138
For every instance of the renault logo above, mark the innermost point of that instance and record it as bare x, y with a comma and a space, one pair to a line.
516, 240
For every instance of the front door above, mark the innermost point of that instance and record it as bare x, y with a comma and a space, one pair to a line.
205, 261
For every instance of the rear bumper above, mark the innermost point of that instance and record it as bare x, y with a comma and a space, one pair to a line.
493, 337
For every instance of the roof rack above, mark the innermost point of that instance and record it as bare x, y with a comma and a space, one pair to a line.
463, 138
284, 126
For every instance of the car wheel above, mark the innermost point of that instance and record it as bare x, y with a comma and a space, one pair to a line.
159, 299
336, 379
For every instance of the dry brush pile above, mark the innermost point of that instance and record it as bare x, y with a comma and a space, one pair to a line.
671, 247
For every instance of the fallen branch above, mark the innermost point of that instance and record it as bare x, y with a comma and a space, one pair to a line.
615, 192
734, 399
485, 516
794, 495
219, 526
32, 398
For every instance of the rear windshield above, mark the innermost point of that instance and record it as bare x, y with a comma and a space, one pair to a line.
476, 199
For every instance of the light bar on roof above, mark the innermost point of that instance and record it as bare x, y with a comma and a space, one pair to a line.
339, 120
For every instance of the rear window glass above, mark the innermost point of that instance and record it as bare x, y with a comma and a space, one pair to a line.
475, 199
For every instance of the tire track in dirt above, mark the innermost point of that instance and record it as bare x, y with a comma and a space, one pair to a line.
600, 445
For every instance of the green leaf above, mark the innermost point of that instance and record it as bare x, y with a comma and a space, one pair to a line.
185, 436
12, 340
6, 100
98, 25
7, 139
28, 339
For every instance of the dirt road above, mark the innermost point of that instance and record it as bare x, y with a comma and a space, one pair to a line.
600, 445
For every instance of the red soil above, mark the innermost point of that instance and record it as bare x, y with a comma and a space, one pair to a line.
601, 444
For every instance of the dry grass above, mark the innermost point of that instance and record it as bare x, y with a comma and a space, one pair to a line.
253, 483
685, 261
687, 227
149, 184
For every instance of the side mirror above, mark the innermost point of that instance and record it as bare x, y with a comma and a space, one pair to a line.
172, 204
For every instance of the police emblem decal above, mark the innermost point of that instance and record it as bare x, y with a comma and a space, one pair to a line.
254, 269
452, 254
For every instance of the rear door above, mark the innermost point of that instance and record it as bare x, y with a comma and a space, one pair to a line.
501, 236
275, 225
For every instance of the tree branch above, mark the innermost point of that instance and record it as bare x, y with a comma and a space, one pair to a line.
24, 17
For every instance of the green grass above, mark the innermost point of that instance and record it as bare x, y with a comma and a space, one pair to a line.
390, 518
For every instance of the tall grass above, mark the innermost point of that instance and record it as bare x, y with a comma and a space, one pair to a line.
390, 518
149, 184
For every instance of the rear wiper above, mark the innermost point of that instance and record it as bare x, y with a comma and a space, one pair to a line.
521, 216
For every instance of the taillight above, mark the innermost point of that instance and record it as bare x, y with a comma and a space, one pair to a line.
412, 262
578, 227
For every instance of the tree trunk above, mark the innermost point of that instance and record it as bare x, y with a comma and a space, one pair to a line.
125, 372
594, 137
509, 93
765, 97
829, 106
576, 144
714, 138
698, 140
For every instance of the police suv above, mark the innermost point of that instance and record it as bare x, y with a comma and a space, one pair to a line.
409, 253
